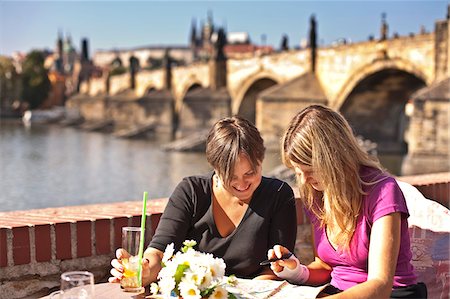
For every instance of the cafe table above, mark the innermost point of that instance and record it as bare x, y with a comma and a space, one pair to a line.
248, 289
112, 291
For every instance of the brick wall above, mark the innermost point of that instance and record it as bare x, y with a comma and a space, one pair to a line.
435, 186
36, 246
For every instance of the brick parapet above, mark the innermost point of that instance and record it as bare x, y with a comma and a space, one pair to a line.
435, 186
36, 246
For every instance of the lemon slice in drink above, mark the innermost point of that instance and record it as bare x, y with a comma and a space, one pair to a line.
127, 271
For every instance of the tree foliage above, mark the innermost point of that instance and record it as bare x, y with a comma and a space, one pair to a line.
8, 81
35, 82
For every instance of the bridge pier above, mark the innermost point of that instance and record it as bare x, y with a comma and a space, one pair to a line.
429, 134
202, 107
277, 105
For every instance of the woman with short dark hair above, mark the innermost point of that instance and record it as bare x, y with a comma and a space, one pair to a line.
233, 212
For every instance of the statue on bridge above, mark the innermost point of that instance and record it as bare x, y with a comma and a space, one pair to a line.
284, 43
219, 45
313, 42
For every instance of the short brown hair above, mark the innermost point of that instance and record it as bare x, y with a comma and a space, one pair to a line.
227, 139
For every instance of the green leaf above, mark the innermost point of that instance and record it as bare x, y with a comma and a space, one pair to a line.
231, 296
207, 292
179, 273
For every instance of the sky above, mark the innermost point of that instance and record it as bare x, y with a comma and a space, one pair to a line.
27, 25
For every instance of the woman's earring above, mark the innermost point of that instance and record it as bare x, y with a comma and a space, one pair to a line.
217, 181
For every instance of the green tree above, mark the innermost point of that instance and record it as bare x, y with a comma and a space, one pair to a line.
35, 82
8, 83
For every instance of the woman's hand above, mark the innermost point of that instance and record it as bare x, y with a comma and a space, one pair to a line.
278, 252
117, 270
290, 269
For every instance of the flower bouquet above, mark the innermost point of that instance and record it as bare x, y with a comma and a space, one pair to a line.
191, 274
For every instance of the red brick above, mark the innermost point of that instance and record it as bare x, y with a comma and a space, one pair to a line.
136, 221
118, 224
84, 238
63, 241
102, 236
3, 248
154, 220
43, 243
21, 245
427, 191
443, 194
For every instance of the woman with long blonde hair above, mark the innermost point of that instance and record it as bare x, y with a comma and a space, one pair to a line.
357, 211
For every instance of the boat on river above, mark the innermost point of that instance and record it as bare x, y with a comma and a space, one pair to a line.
56, 114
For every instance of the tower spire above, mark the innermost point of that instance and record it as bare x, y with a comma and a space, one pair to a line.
384, 27
193, 32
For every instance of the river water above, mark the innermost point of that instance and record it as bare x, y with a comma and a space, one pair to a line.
51, 166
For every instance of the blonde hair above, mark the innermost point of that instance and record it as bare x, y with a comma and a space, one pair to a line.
227, 139
321, 138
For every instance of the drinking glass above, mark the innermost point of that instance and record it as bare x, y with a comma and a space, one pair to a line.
76, 285
131, 237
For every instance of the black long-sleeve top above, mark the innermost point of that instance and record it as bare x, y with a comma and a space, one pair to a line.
269, 220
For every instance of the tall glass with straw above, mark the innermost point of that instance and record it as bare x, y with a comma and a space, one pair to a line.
133, 239
141, 244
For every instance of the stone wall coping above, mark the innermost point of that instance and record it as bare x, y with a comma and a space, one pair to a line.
74, 214
426, 179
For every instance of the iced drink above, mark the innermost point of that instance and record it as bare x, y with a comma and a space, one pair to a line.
130, 242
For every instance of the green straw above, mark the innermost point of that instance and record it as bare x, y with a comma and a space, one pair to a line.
141, 244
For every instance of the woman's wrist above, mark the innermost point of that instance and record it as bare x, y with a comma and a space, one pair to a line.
298, 275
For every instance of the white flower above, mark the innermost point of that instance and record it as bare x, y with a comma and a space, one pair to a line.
169, 270
189, 290
168, 253
190, 274
154, 288
184, 258
218, 268
166, 285
189, 243
198, 275
231, 280
194, 277
219, 293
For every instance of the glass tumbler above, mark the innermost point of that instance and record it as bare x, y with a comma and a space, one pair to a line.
131, 237
76, 285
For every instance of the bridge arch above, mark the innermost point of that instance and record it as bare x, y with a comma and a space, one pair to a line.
244, 103
149, 89
372, 68
375, 108
193, 84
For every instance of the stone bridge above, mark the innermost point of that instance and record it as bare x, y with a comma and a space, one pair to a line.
371, 83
